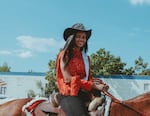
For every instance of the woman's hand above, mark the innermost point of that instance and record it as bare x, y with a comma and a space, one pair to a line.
106, 87
99, 84
101, 87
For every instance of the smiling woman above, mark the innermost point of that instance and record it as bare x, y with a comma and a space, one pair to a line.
78, 91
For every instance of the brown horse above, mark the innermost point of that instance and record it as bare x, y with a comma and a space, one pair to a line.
137, 106
13, 107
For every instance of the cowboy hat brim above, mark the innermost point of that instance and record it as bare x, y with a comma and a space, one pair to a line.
71, 31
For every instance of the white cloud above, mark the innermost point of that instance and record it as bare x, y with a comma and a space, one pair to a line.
20, 53
25, 54
31, 45
5, 52
141, 2
39, 44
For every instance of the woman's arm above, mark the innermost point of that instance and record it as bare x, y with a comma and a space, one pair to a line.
65, 72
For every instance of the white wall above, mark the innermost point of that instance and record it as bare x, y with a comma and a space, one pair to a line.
19, 85
125, 88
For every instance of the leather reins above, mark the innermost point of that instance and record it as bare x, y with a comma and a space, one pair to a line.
122, 103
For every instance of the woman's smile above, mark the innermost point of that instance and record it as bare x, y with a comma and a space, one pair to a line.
80, 39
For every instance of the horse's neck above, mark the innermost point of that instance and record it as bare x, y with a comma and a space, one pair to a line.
6, 100
117, 109
140, 103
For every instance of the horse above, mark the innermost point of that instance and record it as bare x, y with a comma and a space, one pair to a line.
137, 106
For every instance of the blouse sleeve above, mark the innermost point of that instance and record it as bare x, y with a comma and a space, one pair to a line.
62, 86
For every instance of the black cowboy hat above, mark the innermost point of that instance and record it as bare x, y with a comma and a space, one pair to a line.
76, 27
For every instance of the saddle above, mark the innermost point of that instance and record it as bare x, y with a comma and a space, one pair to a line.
54, 102
95, 108
30, 106
53, 98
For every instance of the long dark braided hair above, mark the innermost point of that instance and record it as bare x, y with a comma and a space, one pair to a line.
68, 54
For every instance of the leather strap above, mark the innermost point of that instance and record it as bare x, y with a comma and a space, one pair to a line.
123, 103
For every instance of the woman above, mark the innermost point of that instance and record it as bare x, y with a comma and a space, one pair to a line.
77, 89
73, 75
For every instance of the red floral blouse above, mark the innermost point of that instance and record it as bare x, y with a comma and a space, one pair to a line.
77, 71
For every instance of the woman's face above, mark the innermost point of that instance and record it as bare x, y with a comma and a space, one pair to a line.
80, 39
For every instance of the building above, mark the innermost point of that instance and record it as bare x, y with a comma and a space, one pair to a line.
18, 84
126, 87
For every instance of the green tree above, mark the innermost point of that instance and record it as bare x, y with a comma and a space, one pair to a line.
129, 71
39, 85
51, 78
5, 67
32, 94
140, 67
145, 72
104, 63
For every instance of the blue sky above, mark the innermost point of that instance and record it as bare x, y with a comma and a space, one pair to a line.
31, 31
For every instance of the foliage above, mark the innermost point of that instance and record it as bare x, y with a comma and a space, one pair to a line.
39, 85
32, 94
103, 63
5, 68
51, 78
140, 66
129, 71
145, 72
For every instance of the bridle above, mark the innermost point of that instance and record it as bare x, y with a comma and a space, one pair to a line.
123, 103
